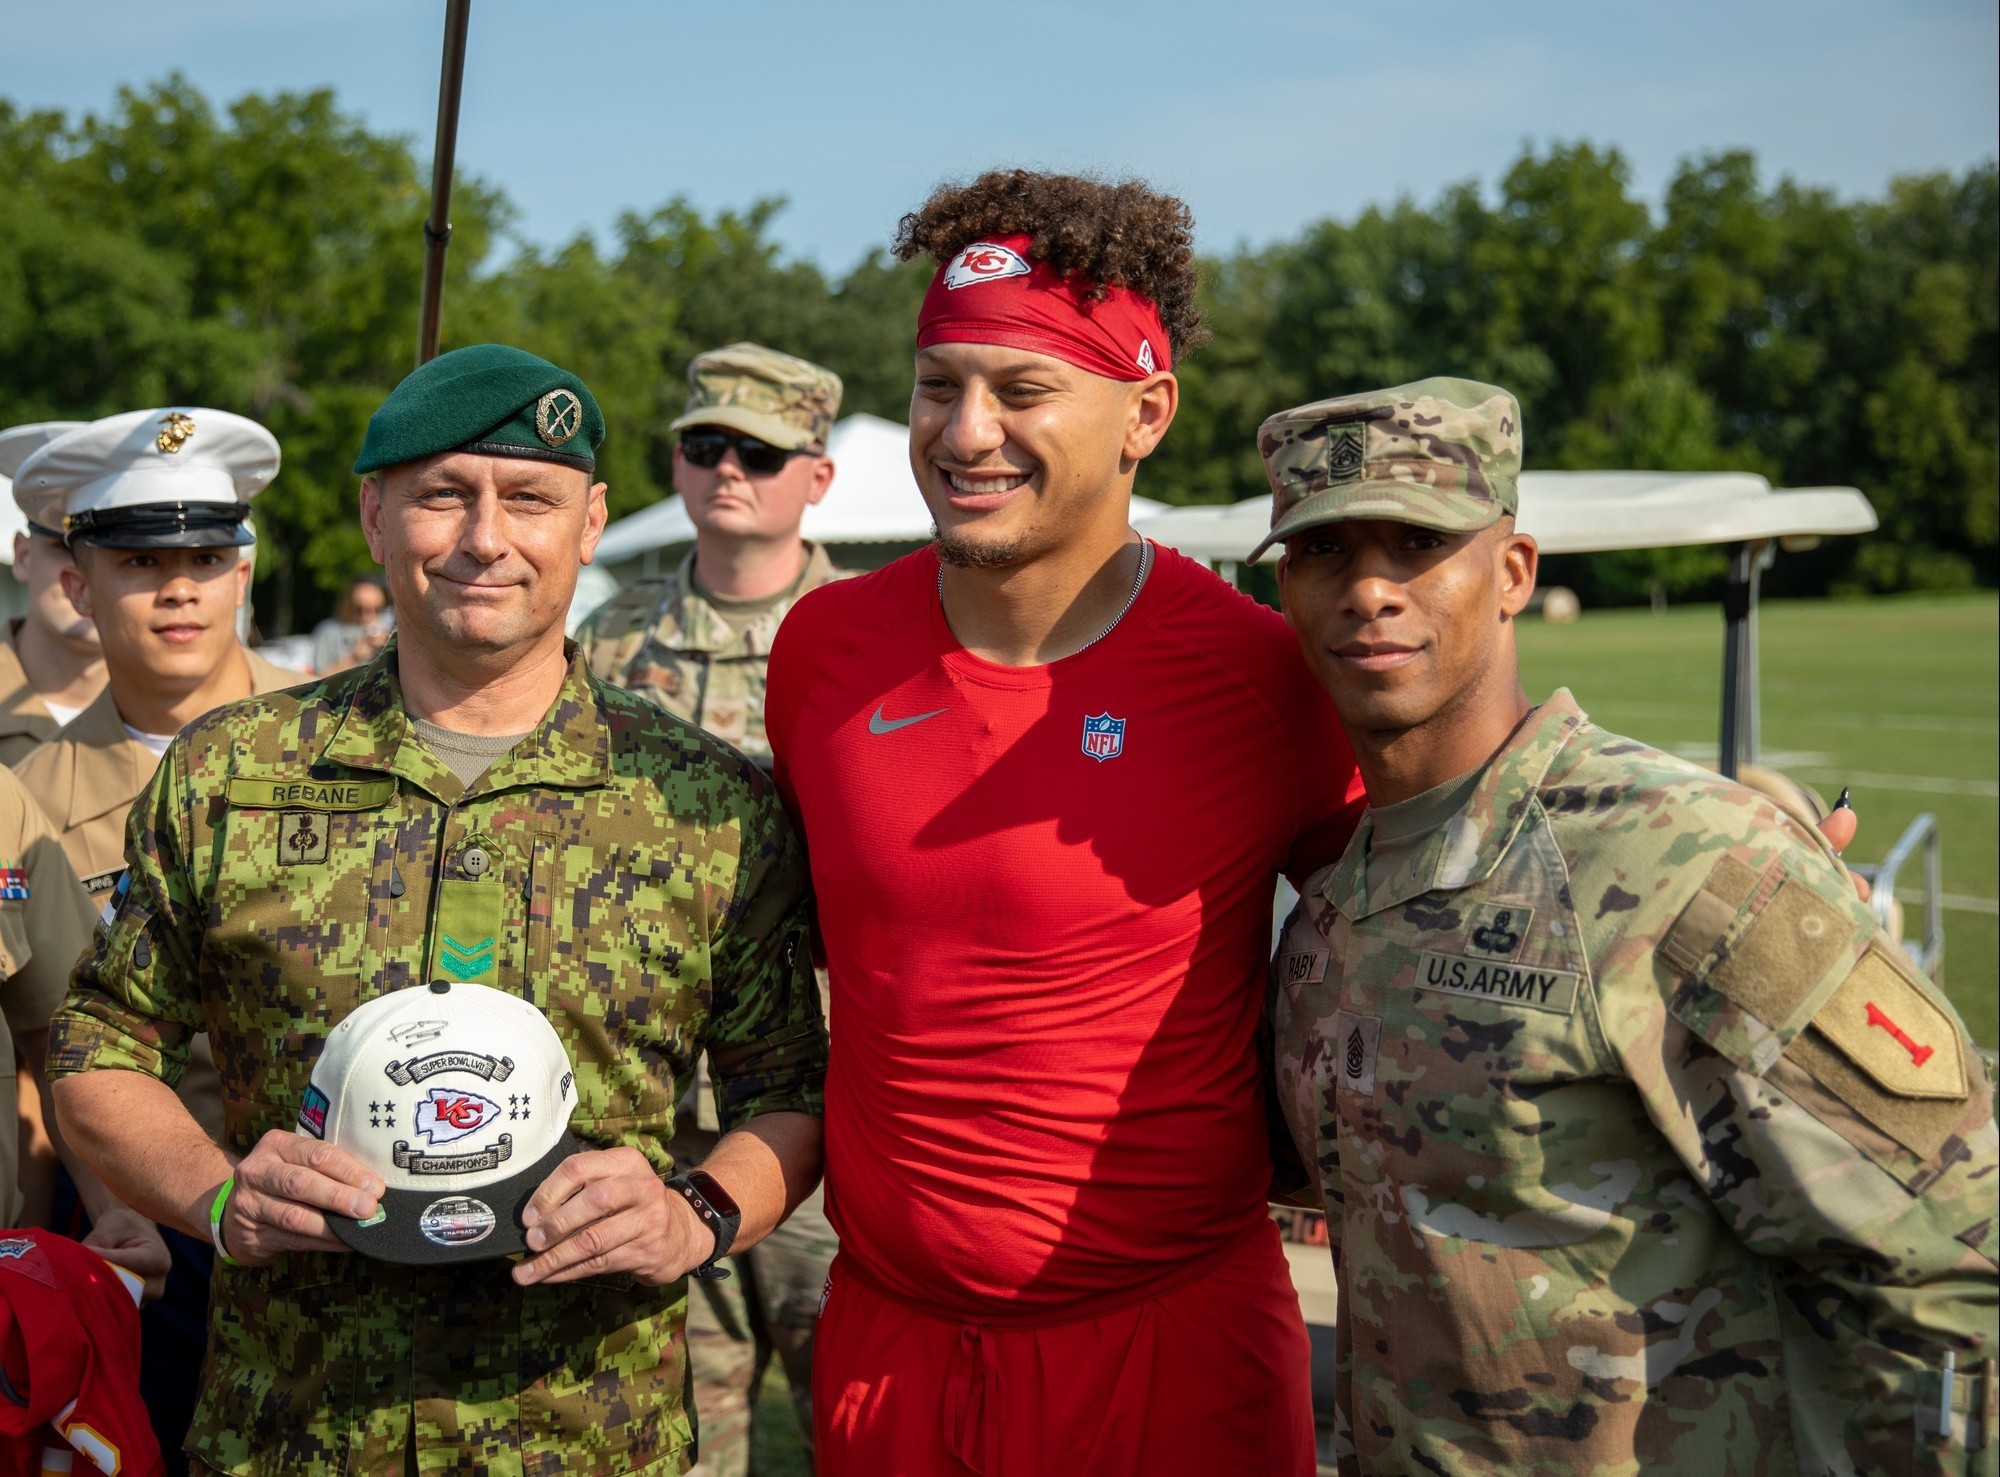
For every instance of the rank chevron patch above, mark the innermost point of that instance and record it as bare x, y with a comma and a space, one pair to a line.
465, 961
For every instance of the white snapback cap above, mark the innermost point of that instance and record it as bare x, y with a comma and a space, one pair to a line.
459, 1097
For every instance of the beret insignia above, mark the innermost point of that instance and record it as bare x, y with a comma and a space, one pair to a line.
558, 417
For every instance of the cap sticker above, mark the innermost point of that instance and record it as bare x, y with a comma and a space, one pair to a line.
558, 417
984, 261
1344, 457
457, 1220
177, 428
312, 1112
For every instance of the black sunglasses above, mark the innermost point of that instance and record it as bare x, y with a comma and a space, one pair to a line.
704, 449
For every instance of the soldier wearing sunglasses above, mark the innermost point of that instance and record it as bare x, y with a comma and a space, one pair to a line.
751, 460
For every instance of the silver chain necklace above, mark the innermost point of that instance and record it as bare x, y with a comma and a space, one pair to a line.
1138, 583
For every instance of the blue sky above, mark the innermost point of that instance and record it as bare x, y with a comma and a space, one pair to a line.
1263, 115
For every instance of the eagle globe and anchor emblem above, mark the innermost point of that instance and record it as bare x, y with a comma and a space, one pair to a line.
1103, 736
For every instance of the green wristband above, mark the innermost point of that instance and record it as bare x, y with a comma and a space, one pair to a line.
215, 1209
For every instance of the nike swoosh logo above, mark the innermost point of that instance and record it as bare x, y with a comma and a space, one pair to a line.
878, 724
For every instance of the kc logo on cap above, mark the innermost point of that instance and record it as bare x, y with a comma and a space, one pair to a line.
459, 1097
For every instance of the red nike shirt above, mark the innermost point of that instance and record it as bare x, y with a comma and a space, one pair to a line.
1045, 902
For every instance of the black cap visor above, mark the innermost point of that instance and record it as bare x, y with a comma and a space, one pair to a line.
163, 526
429, 1228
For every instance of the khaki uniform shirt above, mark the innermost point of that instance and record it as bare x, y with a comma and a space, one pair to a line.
86, 778
89, 774
1641, 1146
660, 639
24, 718
302, 853
45, 923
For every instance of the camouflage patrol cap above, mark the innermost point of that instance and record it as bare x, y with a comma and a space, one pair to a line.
760, 392
1441, 453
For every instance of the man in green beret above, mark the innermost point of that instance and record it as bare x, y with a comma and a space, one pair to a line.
750, 460
473, 806
1642, 1147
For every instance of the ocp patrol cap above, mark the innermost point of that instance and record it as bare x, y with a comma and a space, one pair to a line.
490, 399
775, 397
174, 477
17, 444
1440, 453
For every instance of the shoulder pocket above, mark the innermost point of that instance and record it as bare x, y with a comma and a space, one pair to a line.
1757, 952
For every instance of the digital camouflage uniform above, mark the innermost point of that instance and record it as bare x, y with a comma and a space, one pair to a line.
300, 853
1642, 1146
661, 639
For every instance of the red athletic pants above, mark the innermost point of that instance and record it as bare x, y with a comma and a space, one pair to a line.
1212, 1379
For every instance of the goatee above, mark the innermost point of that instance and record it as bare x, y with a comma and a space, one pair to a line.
962, 553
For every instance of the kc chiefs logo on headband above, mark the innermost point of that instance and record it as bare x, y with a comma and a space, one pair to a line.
1106, 328
984, 261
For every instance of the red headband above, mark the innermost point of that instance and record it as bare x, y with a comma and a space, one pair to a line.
993, 293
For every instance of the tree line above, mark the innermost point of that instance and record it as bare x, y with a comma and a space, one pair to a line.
265, 258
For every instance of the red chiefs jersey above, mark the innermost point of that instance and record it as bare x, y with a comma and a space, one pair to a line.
69, 1353
1045, 902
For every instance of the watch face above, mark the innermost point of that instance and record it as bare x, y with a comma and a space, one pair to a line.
714, 1194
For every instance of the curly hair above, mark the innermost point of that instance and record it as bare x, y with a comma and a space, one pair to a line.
1122, 235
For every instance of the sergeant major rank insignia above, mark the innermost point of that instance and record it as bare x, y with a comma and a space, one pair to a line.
1344, 452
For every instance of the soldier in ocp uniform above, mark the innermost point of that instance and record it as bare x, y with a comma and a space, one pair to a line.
750, 460
472, 806
1642, 1147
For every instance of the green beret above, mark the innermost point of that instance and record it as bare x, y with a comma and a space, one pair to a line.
490, 399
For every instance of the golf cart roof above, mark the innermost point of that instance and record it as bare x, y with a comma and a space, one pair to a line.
1586, 513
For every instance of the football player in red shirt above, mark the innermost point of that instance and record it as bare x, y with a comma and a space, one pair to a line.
1048, 775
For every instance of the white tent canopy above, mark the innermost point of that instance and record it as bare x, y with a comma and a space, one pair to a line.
873, 499
1585, 513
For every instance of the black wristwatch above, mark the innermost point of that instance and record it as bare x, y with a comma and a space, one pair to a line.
717, 1211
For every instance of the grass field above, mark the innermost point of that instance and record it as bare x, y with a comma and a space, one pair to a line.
1898, 698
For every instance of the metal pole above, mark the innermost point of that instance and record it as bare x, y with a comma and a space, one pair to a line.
1738, 742
437, 228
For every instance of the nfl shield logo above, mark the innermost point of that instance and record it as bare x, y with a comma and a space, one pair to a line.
1103, 736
